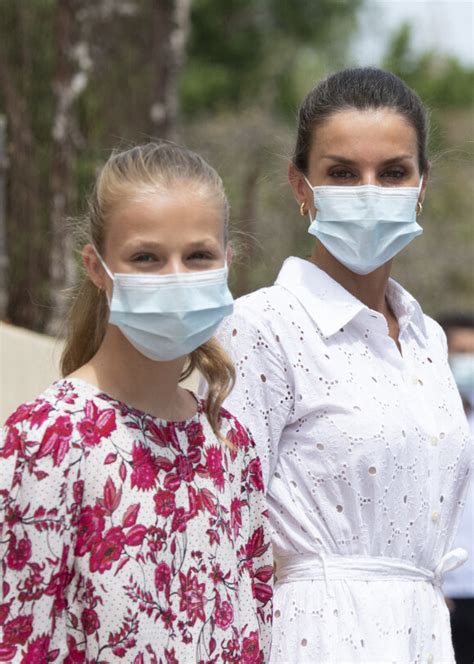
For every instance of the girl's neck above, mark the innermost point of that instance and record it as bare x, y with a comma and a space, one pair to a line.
370, 289
123, 372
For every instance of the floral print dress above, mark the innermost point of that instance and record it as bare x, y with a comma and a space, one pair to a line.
128, 538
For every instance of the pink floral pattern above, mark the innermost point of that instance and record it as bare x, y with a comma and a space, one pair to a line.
126, 538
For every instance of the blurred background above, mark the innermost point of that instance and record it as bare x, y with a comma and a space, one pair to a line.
79, 77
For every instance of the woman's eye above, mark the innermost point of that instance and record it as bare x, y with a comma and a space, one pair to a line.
394, 174
341, 173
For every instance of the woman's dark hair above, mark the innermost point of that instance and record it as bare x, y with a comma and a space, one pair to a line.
359, 88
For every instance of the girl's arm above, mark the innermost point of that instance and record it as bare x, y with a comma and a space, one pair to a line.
256, 556
40, 493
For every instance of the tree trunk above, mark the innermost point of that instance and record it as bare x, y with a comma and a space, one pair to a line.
25, 238
69, 80
170, 32
248, 225
3, 230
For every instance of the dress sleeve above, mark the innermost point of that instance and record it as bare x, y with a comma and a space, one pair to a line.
37, 512
263, 396
257, 550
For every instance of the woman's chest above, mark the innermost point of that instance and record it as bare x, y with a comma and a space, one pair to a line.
365, 409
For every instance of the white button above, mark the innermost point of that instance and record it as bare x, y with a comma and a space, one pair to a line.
434, 516
434, 440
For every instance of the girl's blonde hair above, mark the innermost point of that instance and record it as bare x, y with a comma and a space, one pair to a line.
141, 169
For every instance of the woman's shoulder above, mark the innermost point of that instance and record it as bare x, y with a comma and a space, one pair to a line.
435, 333
264, 312
264, 301
431, 331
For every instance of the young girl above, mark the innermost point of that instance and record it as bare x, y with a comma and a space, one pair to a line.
133, 521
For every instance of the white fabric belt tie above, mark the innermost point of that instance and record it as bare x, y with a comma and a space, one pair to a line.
319, 566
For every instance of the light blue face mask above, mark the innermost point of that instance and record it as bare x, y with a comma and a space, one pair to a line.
462, 366
364, 226
168, 316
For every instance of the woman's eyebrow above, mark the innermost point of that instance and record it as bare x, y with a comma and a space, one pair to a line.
352, 162
335, 157
399, 158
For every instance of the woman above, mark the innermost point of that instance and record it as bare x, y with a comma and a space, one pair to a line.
134, 524
344, 383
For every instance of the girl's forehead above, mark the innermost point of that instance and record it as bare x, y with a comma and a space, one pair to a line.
167, 215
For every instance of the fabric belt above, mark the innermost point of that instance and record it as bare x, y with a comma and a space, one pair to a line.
329, 567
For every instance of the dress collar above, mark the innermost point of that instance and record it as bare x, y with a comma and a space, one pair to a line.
331, 306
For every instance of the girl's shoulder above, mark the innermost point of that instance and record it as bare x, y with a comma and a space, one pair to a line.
237, 435
45, 434
54, 401
63, 406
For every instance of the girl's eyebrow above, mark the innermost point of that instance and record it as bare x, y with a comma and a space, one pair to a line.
200, 244
140, 244
352, 162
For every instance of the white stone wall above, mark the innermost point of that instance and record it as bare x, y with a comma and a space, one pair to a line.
29, 362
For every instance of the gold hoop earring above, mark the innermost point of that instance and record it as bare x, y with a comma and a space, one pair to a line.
303, 209
419, 208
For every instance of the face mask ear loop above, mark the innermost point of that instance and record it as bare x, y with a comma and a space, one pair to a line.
419, 204
103, 264
312, 189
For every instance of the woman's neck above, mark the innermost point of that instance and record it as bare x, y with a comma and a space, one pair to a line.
123, 372
370, 289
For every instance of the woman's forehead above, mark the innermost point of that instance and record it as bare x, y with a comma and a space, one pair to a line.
380, 132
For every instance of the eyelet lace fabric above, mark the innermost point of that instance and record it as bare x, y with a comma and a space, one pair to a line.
366, 458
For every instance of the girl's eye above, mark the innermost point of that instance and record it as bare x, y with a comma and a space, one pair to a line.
144, 258
201, 256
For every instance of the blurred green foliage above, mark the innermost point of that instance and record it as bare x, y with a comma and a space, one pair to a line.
249, 64
250, 52
442, 82
439, 266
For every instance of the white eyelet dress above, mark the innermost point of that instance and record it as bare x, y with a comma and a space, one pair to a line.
366, 457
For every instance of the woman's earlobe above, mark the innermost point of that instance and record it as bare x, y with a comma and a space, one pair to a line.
424, 184
296, 182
